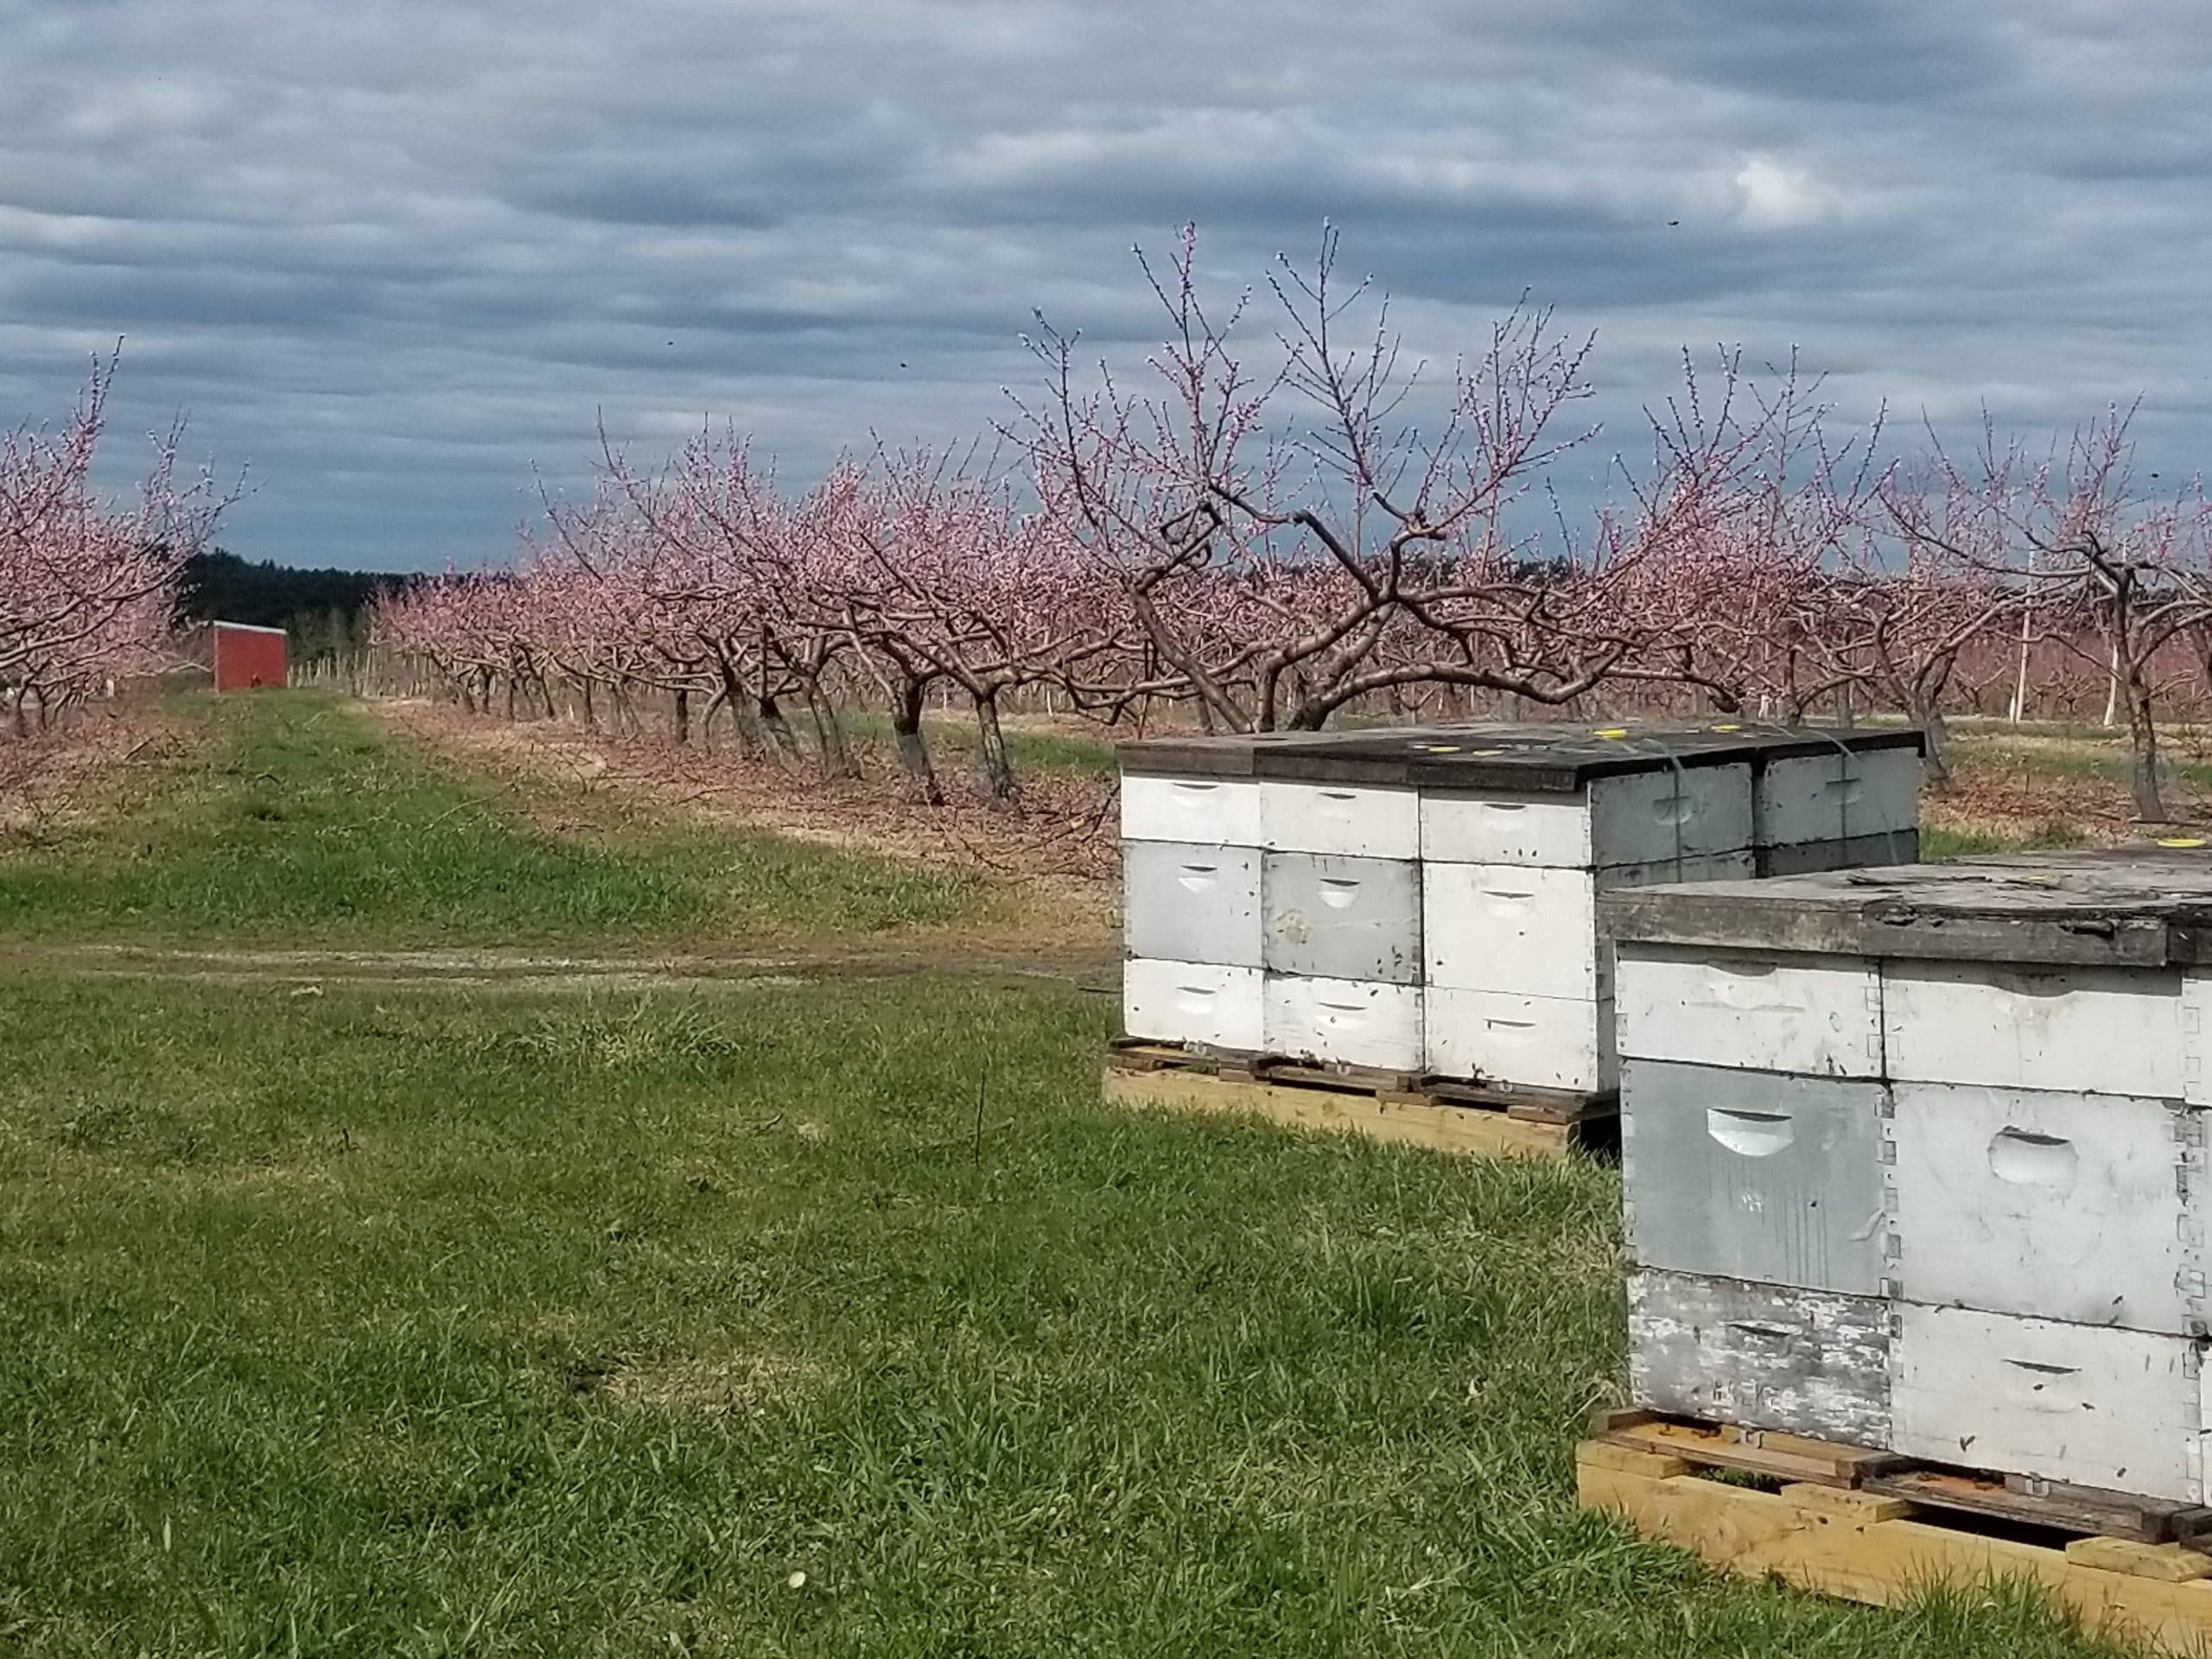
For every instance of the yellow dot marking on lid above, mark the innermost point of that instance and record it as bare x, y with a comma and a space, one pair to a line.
1727, 728
2183, 840
1611, 731
1490, 751
1441, 748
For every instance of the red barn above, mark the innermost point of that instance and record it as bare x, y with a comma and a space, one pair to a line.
246, 657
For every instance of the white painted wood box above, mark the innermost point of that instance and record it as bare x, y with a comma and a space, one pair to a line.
1846, 796
2000, 1066
1342, 918
1202, 1004
1806, 1362
1539, 1042
1186, 901
1458, 869
2087, 1405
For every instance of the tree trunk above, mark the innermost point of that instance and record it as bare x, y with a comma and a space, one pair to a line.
2143, 738
1927, 712
682, 716
991, 757
828, 734
913, 750
591, 715
778, 728
751, 744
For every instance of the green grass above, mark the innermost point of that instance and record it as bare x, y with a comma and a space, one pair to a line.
951, 737
812, 1317
463, 1322
1940, 841
2093, 756
295, 816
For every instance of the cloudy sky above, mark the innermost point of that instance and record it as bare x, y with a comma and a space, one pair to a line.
393, 255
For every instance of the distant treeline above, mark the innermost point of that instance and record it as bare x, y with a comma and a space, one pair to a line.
325, 611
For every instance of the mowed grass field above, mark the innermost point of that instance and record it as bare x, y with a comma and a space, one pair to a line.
819, 1311
302, 819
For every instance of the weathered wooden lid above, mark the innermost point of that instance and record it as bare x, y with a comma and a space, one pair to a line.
1543, 759
2142, 907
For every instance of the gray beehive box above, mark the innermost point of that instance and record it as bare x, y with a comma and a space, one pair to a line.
1424, 899
1914, 1159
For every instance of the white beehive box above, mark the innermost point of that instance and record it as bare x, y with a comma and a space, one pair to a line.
1430, 895
1639, 818
1208, 812
1998, 1066
1202, 1004
1343, 1021
1186, 901
1837, 797
1538, 1042
1341, 917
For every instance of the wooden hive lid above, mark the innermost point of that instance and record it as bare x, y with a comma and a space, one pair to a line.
2141, 905
1543, 758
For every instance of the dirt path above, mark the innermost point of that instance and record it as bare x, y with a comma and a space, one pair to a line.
1086, 967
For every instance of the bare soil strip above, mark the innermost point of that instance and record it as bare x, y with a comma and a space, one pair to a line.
1090, 968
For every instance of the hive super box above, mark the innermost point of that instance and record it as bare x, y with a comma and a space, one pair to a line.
1914, 1160
1423, 900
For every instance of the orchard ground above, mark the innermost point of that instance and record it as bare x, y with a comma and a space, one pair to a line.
462, 1196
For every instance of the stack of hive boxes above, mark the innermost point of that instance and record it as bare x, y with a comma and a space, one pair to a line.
1914, 1160
1424, 900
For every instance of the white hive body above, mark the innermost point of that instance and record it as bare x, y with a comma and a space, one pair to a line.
1195, 1003
1349, 822
1931, 1139
2087, 1405
1540, 1042
1838, 811
1345, 1021
2043, 1202
1426, 901
1736, 1350
1342, 918
1752, 1176
1210, 812
1185, 901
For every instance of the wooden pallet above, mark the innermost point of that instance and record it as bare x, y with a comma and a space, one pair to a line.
2047, 1506
1446, 1116
1837, 1523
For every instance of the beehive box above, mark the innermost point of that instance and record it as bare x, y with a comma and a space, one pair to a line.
1914, 1160
1424, 900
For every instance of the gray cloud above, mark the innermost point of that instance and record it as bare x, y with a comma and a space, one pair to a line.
395, 256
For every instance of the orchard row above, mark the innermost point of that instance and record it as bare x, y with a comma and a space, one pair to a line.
1253, 526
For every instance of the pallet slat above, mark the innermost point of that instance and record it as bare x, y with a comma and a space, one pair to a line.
2072, 1508
1528, 1104
1750, 1451
1805, 1536
1409, 1121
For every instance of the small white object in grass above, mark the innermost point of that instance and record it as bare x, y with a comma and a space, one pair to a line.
796, 1581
